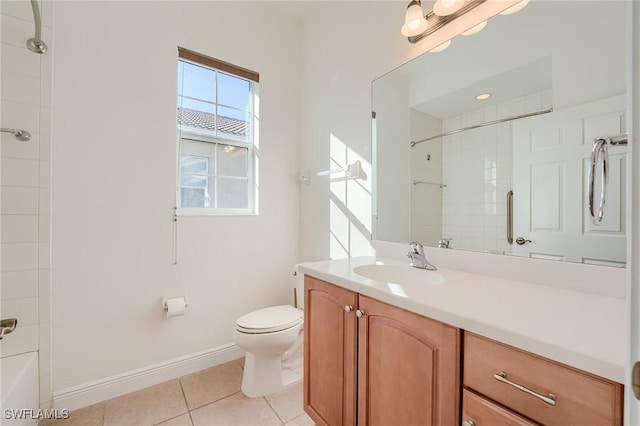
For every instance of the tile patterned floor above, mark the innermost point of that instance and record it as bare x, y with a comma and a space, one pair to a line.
209, 397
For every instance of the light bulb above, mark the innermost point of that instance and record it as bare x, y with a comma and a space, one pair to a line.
441, 47
447, 7
476, 29
414, 14
414, 22
483, 96
515, 8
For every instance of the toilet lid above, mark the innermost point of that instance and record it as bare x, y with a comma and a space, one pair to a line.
271, 319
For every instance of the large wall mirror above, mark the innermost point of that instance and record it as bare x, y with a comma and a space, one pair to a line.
560, 64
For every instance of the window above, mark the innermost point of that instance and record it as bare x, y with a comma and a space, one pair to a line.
216, 125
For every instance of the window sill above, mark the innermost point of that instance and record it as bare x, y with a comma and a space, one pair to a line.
211, 212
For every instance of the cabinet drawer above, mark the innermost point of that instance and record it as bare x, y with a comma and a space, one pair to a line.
580, 398
485, 413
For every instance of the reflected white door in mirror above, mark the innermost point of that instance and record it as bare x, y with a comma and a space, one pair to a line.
550, 161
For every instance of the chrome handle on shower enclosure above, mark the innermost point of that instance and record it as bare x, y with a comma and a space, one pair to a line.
510, 217
599, 149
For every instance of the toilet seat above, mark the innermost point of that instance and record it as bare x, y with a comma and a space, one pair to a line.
270, 320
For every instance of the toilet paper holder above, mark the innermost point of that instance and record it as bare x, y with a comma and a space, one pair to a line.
165, 304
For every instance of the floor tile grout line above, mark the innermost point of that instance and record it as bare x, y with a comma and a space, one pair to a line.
273, 409
172, 418
186, 403
216, 400
184, 395
213, 402
304, 413
104, 413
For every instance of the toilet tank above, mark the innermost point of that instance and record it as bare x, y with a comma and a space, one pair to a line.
298, 282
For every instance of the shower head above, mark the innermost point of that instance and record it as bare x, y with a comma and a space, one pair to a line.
21, 135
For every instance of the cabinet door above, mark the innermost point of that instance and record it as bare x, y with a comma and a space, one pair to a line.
329, 353
408, 368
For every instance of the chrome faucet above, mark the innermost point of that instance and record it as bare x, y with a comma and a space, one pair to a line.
418, 260
444, 243
7, 326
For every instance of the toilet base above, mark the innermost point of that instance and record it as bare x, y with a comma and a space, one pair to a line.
268, 374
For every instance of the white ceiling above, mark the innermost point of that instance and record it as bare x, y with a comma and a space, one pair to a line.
530, 78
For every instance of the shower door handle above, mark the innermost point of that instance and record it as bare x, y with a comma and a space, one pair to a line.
510, 217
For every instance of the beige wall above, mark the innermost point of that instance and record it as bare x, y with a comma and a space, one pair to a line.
114, 185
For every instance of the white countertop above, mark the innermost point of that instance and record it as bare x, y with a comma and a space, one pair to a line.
582, 330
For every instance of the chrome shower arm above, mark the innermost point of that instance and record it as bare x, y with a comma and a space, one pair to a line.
37, 19
36, 44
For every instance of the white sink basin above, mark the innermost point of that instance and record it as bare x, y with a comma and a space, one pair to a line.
399, 274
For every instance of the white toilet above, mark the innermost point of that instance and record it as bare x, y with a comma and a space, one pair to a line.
272, 338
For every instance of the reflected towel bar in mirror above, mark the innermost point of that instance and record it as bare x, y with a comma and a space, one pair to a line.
600, 151
419, 182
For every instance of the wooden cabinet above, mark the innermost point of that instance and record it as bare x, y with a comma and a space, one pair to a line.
368, 363
329, 353
406, 371
540, 389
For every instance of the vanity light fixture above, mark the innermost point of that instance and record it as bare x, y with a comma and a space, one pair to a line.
447, 7
514, 9
476, 29
414, 21
483, 96
441, 47
450, 18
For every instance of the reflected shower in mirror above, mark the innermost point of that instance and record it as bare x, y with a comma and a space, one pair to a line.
514, 109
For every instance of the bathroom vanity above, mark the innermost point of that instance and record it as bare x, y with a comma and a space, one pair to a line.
460, 348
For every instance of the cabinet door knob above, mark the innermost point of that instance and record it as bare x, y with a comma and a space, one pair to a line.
468, 423
348, 308
359, 313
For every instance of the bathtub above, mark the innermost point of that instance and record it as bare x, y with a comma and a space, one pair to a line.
20, 389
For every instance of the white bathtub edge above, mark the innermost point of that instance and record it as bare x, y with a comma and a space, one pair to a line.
20, 387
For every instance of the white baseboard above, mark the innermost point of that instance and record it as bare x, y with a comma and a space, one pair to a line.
101, 390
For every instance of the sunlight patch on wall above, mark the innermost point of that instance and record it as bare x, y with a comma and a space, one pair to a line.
350, 205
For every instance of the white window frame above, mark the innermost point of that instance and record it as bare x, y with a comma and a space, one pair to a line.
186, 134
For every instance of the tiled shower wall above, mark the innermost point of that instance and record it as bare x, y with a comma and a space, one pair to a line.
25, 192
476, 167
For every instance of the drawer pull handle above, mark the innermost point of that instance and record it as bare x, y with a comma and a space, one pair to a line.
502, 377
